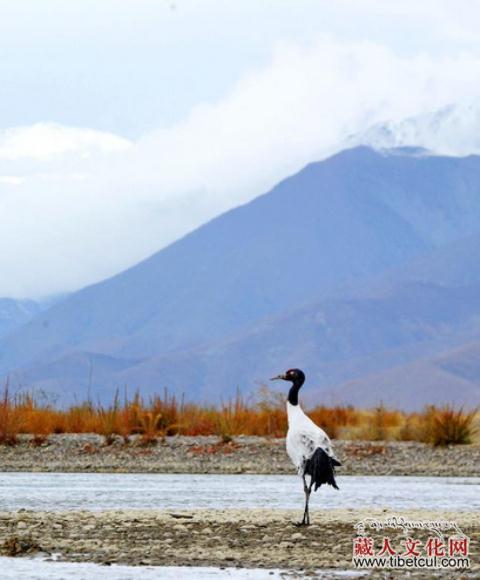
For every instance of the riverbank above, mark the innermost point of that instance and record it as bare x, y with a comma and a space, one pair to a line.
88, 453
247, 538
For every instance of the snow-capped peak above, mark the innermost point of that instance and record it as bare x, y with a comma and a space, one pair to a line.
452, 130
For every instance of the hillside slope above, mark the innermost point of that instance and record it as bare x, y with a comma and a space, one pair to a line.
452, 377
248, 291
16, 313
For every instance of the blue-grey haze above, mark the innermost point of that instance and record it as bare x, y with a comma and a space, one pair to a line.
359, 268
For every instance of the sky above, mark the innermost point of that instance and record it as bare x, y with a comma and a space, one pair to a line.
124, 124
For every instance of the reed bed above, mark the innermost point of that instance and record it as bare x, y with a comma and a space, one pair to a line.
164, 414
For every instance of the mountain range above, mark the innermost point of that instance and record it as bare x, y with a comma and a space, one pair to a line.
361, 269
14, 313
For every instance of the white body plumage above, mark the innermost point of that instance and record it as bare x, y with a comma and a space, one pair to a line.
304, 437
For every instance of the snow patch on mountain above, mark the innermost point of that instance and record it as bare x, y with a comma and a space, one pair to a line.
453, 130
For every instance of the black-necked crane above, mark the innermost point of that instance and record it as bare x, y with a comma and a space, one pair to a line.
308, 446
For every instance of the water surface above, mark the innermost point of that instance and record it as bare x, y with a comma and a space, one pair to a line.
37, 569
101, 491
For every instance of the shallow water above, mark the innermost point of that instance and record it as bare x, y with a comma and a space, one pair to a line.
101, 491
38, 569
35, 569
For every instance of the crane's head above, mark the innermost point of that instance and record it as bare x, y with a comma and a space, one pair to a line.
294, 376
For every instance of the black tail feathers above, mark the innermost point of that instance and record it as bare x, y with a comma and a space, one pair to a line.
321, 468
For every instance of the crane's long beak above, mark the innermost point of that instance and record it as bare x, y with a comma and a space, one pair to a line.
278, 378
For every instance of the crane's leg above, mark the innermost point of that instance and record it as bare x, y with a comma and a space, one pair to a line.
306, 514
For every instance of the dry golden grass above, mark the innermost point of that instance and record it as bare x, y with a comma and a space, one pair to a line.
164, 415
378, 424
9, 419
446, 426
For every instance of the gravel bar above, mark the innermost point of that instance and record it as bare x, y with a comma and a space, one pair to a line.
88, 453
246, 538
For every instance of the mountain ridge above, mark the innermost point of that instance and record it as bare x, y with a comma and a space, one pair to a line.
340, 229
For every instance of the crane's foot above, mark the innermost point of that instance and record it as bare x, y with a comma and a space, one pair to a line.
304, 522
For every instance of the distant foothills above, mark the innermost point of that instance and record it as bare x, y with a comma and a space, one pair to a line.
362, 269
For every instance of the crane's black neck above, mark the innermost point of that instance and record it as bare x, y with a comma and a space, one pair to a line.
293, 392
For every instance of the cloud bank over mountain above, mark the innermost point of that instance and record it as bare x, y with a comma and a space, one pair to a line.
78, 205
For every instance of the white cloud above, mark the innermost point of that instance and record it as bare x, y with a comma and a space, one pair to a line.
12, 179
47, 141
93, 203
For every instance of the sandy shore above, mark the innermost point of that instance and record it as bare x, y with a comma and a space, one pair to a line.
88, 453
247, 538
